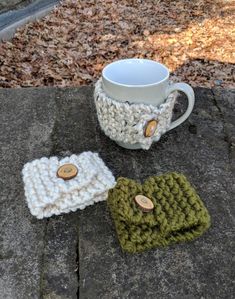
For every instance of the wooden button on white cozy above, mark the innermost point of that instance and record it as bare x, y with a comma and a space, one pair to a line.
150, 128
67, 171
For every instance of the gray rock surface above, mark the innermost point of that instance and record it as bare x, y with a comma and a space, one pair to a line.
77, 255
10, 4
28, 11
5, 4
37, 258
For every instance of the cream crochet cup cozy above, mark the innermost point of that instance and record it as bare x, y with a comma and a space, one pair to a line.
47, 194
126, 122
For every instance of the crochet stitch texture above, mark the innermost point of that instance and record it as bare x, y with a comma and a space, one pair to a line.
179, 214
47, 194
125, 122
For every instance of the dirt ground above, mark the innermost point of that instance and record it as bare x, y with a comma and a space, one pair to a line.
71, 45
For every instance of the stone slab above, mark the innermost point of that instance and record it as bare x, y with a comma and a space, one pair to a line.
77, 255
8, 4
198, 148
37, 257
13, 19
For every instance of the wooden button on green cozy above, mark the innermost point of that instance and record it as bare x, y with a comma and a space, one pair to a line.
178, 215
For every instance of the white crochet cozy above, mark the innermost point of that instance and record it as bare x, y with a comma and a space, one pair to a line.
47, 194
125, 122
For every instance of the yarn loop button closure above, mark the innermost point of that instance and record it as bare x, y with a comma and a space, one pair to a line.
144, 203
67, 171
150, 128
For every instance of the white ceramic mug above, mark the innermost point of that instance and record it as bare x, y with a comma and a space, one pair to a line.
143, 81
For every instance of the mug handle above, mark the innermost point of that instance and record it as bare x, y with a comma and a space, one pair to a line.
187, 89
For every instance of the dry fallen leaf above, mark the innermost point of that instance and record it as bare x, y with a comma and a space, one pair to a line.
71, 45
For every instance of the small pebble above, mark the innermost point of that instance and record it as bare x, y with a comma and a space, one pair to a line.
218, 82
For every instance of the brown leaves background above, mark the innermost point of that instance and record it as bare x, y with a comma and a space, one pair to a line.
71, 45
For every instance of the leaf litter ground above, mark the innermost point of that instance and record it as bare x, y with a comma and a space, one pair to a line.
71, 45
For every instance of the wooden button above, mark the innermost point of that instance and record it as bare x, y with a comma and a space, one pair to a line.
144, 203
150, 128
67, 171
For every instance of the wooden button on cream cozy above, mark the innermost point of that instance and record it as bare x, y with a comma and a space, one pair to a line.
67, 171
150, 128
144, 203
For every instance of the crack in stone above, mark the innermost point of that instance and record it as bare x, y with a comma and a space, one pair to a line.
77, 265
56, 150
42, 261
47, 220
217, 105
225, 131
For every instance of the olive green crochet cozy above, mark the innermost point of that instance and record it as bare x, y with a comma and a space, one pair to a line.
178, 215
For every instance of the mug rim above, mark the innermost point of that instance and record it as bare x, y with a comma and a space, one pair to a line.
132, 85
